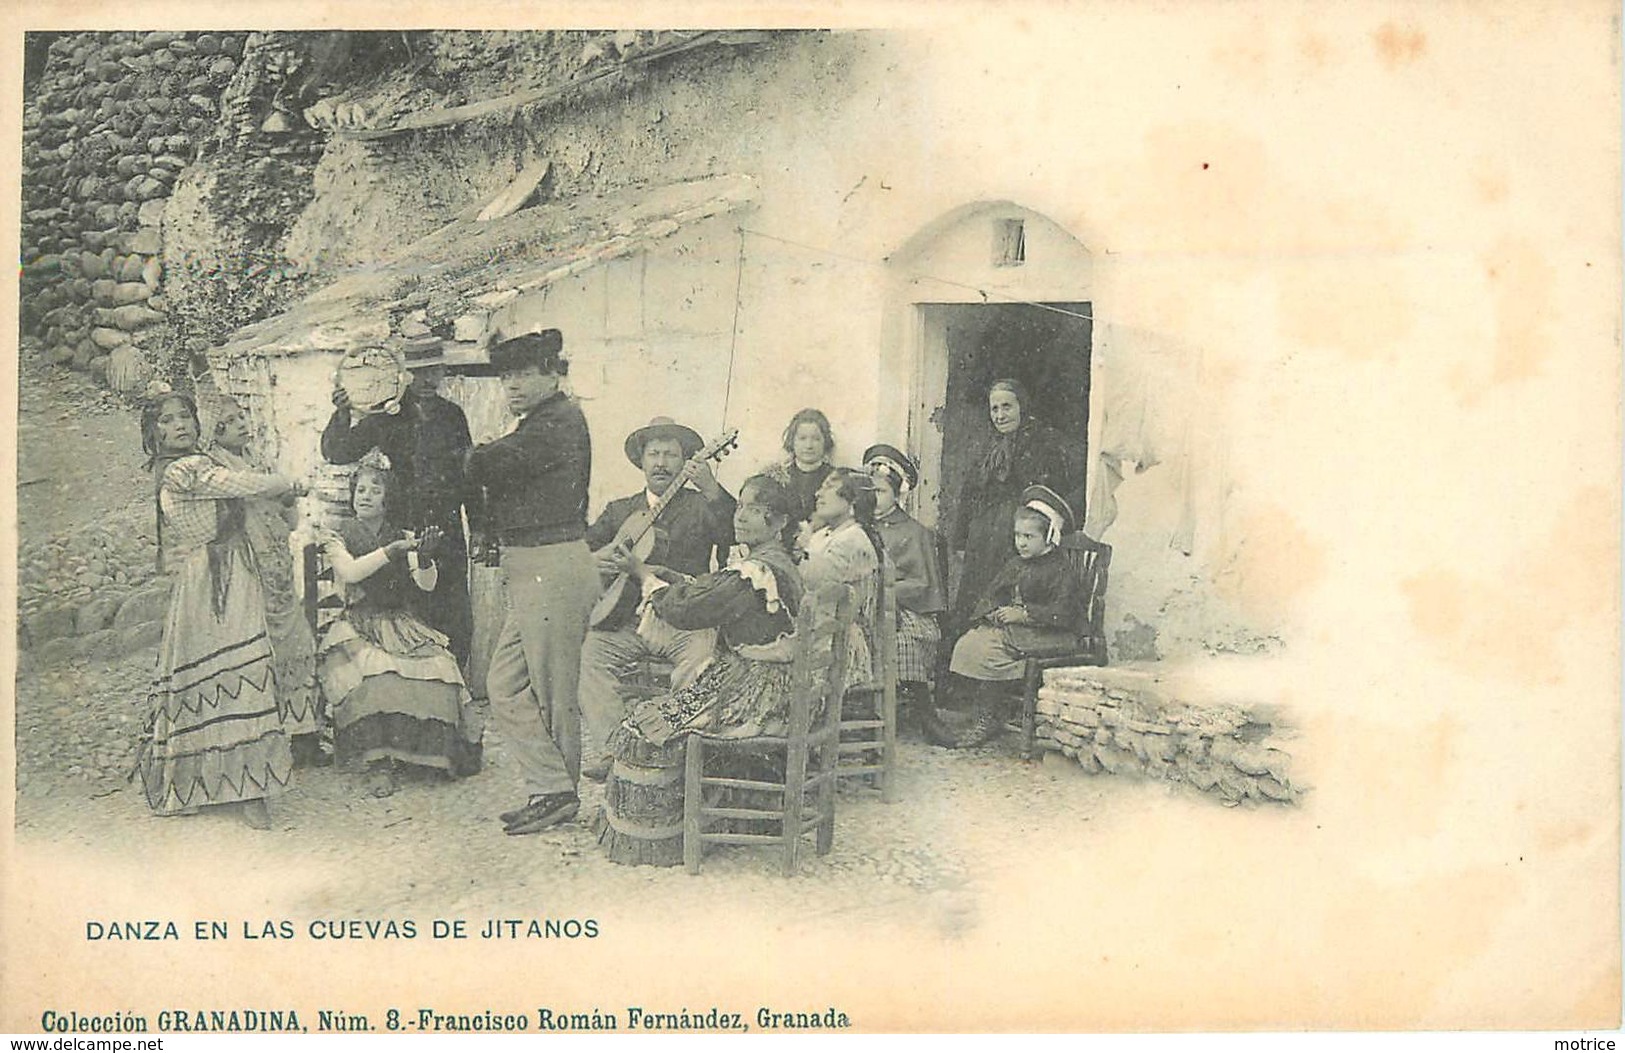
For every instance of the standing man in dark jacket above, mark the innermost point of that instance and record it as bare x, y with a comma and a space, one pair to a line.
695, 527
535, 481
425, 443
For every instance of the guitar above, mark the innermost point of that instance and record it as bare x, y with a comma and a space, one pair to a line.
636, 535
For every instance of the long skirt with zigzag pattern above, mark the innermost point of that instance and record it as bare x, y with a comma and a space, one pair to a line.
215, 732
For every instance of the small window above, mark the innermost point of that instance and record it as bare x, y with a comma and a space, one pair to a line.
1009, 243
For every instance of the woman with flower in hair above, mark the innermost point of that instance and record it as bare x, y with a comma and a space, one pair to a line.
392, 685
844, 545
215, 731
744, 692
267, 523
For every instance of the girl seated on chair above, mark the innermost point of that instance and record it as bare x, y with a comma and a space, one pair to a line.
743, 693
918, 587
392, 686
1034, 606
843, 545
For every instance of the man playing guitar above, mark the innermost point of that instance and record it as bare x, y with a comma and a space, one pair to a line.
694, 525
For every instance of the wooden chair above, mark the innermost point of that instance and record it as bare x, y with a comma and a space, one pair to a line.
651, 677
810, 750
322, 599
1092, 559
869, 717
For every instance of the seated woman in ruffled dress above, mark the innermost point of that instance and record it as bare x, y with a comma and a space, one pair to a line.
844, 546
393, 689
1035, 605
743, 693
267, 524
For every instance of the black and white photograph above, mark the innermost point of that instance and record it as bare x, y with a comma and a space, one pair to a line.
1085, 517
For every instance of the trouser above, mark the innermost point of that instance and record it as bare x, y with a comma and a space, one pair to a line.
534, 671
447, 608
607, 658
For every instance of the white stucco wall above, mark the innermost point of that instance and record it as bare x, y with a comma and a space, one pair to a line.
1249, 288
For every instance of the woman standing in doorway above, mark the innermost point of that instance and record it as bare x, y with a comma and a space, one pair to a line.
1024, 452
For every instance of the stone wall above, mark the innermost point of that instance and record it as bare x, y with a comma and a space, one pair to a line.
112, 122
1137, 722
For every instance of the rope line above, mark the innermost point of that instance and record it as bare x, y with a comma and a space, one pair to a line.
983, 293
733, 338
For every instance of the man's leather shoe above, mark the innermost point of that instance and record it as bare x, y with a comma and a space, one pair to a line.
544, 812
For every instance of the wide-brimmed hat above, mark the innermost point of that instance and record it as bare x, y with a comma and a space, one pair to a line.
896, 460
422, 352
662, 428
543, 350
1060, 513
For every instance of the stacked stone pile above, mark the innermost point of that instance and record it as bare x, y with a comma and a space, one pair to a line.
113, 121
82, 721
1128, 721
93, 592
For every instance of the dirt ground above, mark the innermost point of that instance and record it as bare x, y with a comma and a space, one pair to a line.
960, 817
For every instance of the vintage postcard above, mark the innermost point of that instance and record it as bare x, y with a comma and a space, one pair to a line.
1040, 517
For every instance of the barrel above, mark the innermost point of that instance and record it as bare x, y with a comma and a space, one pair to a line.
643, 802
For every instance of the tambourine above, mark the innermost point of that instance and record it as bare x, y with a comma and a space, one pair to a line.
374, 379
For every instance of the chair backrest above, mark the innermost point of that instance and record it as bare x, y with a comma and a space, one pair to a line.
818, 672
885, 639
1091, 560
321, 592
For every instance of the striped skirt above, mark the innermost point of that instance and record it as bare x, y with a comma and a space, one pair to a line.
917, 638
215, 734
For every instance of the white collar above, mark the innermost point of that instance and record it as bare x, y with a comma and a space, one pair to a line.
652, 499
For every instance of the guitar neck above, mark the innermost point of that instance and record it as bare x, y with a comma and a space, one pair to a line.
710, 453
655, 512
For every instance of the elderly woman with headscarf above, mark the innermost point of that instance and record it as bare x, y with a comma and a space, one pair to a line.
1024, 452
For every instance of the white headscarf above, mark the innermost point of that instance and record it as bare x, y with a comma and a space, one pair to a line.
1051, 516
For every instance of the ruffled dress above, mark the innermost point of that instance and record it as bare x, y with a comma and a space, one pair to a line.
293, 645
392, 686
845, 554
743, 693
215, 731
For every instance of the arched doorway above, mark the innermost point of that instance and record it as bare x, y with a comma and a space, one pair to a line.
989, 290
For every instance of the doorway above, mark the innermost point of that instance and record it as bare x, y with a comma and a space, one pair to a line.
964, 348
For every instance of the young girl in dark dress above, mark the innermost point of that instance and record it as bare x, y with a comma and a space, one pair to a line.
809, 446
1034, 606
1023, 451
920, 594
